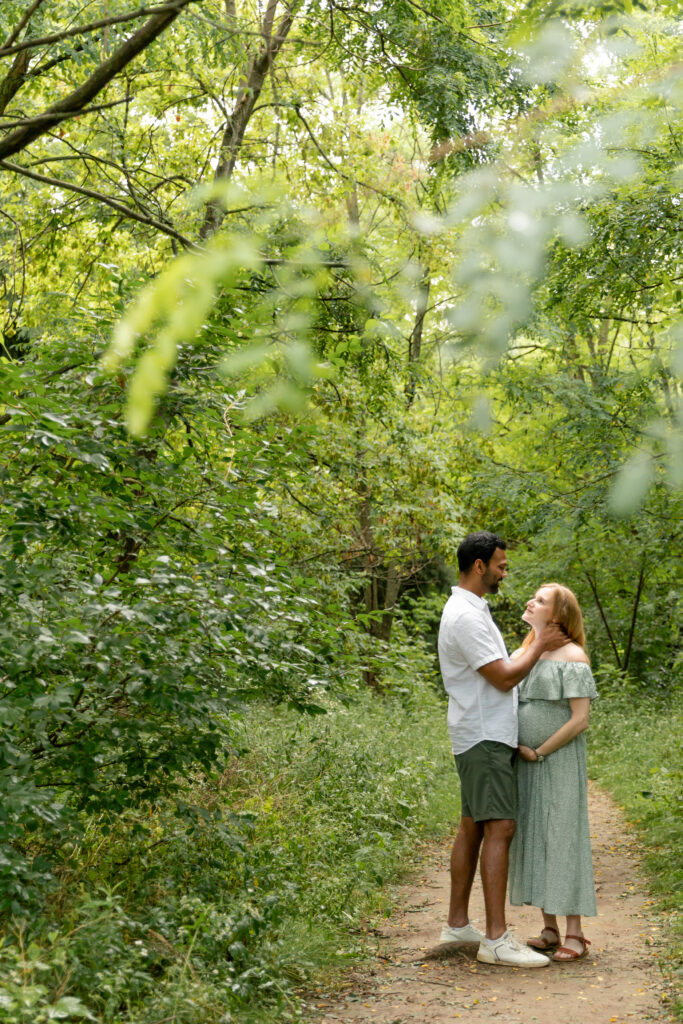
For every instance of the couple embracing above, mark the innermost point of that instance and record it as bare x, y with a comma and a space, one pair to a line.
521, 758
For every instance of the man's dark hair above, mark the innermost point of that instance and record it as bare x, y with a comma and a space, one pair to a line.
478, 545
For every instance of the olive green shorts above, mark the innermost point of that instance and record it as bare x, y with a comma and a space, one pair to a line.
487, 781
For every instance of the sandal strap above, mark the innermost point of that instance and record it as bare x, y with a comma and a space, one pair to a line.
578, 938
543, 943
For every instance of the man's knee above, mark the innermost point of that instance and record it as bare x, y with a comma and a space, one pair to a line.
470, 829
500, 829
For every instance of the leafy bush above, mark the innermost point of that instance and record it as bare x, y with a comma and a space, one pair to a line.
636, 753
141, 607
216, 905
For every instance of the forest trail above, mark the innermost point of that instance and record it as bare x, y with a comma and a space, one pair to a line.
413, 978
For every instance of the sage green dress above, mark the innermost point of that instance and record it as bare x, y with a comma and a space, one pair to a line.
550, 857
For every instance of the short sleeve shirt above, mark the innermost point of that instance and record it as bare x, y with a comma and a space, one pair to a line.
469, 639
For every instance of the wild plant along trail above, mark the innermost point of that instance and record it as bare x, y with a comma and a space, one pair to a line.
414, 979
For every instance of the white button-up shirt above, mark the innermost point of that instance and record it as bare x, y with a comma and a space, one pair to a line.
468, 639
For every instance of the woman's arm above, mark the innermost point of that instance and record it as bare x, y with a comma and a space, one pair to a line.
580, 708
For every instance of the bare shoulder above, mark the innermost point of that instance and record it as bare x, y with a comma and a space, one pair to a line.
573, 652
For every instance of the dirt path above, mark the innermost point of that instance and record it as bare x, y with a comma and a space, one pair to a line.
413, 979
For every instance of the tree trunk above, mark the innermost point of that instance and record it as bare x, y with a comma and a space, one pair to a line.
634, 616
13, 80
253, 80
391, 592
415, 340
603, 616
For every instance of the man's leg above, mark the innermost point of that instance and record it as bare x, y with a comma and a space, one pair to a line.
498, 835
463, 867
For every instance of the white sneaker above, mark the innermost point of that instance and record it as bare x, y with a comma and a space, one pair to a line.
507, 951
468, 933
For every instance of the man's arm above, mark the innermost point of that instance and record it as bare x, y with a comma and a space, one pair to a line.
505, 675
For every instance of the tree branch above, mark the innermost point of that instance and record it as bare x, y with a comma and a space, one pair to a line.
80, 97
594, 588
337, 170
639, 591
115, 204
23, 22
247, 97
50, 119
79, 30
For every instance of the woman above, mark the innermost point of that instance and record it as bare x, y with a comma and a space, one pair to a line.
550, 857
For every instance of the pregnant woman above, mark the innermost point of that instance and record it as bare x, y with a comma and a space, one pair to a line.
550, 857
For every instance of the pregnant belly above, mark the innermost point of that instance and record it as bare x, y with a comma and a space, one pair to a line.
539, 719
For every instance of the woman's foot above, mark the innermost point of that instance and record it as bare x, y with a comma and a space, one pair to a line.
548, 939
575, 947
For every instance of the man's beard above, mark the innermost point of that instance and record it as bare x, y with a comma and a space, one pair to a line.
492, 585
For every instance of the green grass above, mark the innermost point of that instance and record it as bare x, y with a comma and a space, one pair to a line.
635, 753
223, 907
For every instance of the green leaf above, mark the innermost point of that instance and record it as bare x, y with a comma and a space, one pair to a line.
67, 1007
632, 484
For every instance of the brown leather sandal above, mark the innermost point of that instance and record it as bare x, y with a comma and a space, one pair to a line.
538, 942
571, 954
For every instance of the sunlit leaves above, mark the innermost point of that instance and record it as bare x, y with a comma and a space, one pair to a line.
589, 141
172, 310
632, 483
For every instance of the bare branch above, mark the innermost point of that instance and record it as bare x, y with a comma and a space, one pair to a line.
40, 69
615, 650
51, 118
634, 615
338, 170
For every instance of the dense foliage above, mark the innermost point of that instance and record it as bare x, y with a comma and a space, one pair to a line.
240, 906
293, 296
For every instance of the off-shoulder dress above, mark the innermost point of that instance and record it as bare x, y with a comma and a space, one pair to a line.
550, 857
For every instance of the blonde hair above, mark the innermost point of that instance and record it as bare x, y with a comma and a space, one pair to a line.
566, 612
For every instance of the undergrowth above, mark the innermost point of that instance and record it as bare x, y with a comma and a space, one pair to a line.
635, 750
219, 908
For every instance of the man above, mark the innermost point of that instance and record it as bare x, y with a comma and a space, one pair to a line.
481, 684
